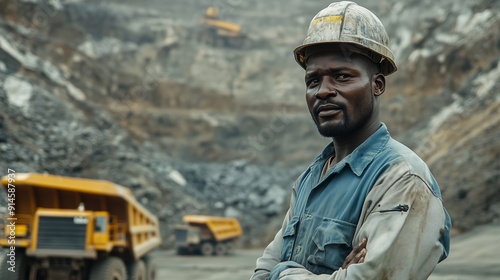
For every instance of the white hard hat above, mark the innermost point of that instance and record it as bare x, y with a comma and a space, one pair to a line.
349, 27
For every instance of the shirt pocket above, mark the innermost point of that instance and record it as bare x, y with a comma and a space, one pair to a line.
333, 240
289, 238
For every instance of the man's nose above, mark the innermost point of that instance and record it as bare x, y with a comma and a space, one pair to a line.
325, 89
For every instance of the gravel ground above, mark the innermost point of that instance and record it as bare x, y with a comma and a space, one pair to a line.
474, 256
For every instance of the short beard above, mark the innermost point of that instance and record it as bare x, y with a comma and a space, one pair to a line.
335, 130
346, 127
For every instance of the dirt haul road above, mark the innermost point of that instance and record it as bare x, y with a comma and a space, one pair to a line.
474, 255
238, 266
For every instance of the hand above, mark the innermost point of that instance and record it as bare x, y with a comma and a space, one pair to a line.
357, 255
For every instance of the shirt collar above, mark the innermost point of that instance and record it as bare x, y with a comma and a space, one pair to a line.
359, 159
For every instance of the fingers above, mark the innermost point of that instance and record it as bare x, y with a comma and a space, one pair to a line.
362, 244
357, 255
354, 258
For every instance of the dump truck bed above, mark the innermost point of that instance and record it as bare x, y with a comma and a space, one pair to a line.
222, 228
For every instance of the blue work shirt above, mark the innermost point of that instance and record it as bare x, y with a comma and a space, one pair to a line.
327, 209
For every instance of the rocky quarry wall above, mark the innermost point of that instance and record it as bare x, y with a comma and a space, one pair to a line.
126, 92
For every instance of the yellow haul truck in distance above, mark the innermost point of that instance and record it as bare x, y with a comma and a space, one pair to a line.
72, 228
207, 235
220, 33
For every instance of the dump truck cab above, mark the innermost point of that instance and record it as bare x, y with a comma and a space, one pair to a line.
73, 228
207, 235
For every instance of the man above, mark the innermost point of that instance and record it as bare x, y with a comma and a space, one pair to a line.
367, 207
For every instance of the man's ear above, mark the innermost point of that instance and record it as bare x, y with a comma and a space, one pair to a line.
378, 84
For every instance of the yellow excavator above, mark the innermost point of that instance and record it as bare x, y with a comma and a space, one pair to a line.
219, 33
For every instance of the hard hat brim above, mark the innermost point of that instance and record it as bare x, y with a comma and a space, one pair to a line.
387, 64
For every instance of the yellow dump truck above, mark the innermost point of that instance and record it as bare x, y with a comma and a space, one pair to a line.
207, 235
220, 33
71, 228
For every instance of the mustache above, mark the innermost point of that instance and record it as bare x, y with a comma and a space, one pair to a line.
317, 106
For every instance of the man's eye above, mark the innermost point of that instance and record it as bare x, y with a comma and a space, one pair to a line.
312, 82
343, 77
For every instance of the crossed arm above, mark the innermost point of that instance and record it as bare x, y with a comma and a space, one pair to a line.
392, 245
357, 255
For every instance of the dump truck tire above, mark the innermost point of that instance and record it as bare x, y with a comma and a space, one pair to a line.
110, 268
151, 268
182, 251
20, 267
136, 270
229, 247
220, 249
207, 249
